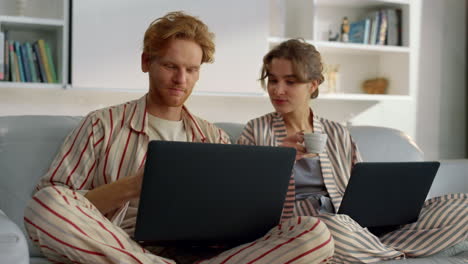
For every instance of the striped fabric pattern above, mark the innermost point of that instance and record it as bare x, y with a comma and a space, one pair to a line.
441, 224
305, 207
69, 229
336, 162
109, 144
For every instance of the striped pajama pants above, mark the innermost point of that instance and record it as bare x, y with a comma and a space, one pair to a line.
442, 223
69, 229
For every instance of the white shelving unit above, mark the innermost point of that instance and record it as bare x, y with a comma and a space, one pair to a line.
45, 19
312, 20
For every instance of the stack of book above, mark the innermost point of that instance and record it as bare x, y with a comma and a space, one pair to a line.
26, 62
381, 27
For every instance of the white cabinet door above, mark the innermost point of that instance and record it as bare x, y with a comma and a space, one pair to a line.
108, 35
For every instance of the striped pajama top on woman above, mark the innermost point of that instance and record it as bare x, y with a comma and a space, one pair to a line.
446, 216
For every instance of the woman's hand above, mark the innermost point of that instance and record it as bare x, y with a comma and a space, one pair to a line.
296, 141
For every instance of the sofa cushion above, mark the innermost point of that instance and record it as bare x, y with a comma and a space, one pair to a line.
13, 246
39, 261
385, 144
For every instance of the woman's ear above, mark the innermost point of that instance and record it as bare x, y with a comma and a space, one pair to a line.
313, 86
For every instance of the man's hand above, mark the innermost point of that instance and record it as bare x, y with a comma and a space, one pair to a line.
114, 195
138, 180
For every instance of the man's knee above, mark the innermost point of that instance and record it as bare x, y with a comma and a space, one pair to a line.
44, 200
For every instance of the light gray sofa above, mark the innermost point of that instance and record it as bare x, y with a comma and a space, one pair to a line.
29, 143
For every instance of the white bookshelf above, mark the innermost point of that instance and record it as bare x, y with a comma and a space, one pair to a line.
312, 19
29, 85
363, 97
349, 48
45, 19
360, 3
31, 22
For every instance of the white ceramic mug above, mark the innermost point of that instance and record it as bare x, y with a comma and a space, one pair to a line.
314, 142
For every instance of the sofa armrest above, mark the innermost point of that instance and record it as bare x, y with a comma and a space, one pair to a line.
452, 177
13, 246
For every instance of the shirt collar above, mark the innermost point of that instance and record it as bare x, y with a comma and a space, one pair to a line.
139, 121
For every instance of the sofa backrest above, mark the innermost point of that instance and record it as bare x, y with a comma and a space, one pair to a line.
27, 146
385, 144
374, 143
29, 143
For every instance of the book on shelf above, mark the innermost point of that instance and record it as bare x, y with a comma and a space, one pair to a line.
25, 61
43, 55
19, 61
37, 65
2, 56
392, 34
14, 70
51, 62
7, 61
379, 27
31, 63
40, 62
375, 21
383, 27
359, 31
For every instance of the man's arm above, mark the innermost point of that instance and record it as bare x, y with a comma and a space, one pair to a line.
76, 163
114, 195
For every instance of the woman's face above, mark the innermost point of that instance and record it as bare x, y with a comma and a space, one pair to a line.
286, 93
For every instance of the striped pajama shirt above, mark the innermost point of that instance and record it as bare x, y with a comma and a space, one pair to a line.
442, 222
109, 144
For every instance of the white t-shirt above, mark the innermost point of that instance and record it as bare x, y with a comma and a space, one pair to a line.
168, 130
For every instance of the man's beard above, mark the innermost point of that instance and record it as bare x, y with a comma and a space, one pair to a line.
165, 99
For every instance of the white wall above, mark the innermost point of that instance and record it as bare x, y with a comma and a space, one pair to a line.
441, 119
107, 40
441, 109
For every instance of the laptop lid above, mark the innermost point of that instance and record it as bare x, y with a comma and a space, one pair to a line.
383, 194
203, 194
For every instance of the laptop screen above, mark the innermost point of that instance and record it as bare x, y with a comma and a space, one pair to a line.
382, 194
201, 194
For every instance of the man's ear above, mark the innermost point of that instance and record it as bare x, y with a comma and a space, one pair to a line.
145, 62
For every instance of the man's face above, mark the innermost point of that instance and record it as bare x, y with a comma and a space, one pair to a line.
173, 74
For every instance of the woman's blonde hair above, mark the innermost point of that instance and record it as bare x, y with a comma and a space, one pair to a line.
305, 59
178, 25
